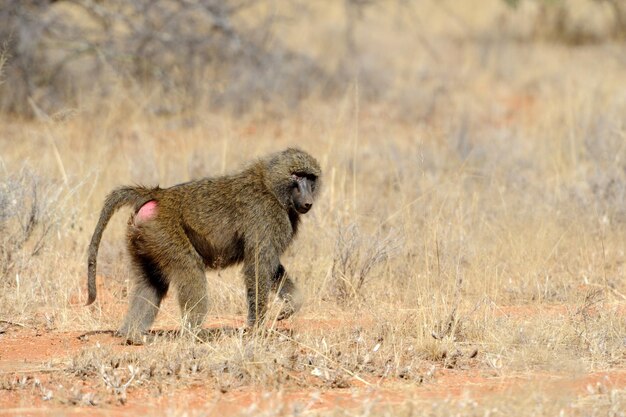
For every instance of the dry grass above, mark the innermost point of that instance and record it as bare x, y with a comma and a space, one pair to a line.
484, 173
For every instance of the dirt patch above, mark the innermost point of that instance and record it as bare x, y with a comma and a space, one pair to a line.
445, 385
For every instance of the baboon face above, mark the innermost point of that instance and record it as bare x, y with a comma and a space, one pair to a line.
302, 191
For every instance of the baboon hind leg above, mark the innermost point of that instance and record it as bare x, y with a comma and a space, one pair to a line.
143, 308
149, 289
191, 284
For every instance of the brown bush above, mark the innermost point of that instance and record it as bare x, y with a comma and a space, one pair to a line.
183, 52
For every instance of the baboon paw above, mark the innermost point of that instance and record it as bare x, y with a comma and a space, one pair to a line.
135, 339
285, 313
208, 335
290, 307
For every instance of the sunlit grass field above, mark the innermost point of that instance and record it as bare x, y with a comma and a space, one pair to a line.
472, 220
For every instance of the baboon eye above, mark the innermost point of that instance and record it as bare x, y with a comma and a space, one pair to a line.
296, 177
301, 175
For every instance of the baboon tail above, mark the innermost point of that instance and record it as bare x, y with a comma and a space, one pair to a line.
118, 198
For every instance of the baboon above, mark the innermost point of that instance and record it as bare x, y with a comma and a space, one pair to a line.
175, 233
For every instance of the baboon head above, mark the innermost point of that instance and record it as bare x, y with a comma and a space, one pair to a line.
293, 176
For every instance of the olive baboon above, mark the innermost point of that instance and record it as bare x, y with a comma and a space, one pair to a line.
176, 233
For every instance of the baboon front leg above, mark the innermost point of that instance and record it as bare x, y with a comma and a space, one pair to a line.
257, 286
286, 291
143, 307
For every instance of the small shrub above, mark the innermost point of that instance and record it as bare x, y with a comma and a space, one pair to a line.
26, 220
355, 258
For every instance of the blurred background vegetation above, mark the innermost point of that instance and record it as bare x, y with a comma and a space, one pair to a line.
188, 56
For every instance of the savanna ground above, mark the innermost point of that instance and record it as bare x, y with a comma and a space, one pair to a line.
466, 256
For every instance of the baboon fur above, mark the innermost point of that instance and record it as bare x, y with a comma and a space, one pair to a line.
249, 217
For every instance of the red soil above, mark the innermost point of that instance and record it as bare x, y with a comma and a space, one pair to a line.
42, 355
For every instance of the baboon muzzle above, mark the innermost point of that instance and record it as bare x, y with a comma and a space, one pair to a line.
303, 195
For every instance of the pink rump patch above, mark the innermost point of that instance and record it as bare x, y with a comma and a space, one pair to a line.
147, 212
